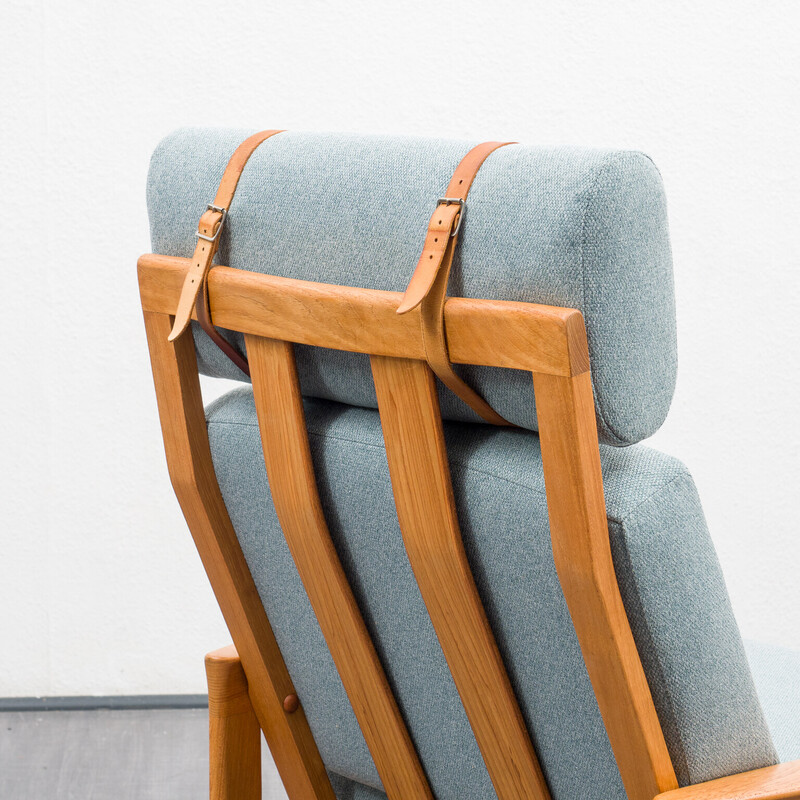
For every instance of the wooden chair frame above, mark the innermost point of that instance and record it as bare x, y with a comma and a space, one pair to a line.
273, 313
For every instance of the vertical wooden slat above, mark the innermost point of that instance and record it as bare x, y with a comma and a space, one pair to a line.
582, 554
293, 486
415, 448
191, 470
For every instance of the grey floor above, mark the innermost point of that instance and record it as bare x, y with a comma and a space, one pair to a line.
111, 755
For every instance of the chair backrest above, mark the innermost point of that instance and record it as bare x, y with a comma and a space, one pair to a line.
583, 234
548, 343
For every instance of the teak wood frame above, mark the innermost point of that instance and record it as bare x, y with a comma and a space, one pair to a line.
549, 342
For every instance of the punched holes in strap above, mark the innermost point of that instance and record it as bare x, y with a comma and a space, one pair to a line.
194, 291
209, 229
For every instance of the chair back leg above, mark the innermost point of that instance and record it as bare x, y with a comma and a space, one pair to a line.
234, 732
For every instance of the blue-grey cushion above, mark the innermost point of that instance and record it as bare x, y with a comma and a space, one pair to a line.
571, 227
346, 789
776, 671
671, 584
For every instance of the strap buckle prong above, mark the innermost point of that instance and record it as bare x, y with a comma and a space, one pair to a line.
220, 210
448, 201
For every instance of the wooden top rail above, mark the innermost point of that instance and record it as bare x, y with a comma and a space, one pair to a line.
498, 333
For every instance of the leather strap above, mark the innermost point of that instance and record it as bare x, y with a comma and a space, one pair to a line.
428, 285
204, 318
195, 290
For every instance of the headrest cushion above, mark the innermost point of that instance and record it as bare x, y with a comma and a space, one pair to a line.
563, 226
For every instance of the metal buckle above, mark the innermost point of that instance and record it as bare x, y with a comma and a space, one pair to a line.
221, 210
448, 201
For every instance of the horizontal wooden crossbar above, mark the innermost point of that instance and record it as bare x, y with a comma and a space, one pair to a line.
525, 336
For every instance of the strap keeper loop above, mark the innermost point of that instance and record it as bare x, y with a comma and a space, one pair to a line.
447, 201
219, 210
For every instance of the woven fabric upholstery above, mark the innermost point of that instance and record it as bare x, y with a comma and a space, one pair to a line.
569, 227
670, 579
353, 790
776, 671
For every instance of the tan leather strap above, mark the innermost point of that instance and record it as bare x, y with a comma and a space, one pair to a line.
195, 292
428, 285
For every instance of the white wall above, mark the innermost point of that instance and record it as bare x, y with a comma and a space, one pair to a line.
100, 587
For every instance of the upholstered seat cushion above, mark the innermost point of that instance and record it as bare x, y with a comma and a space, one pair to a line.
776, 671
670, 579
564, 226
353, 790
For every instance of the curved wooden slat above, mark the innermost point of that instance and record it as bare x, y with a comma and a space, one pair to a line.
183, 424
582, 554
415, 449
293, 486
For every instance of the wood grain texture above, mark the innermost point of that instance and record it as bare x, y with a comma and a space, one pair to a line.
488, 332
582, 554
234, 733
415, 448
279, 406
780, 782
191, 470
